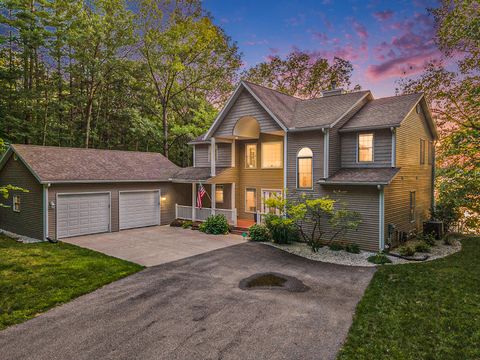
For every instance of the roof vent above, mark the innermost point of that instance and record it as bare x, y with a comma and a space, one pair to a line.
332, 92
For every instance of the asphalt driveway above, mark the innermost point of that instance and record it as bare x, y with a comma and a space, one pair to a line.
154, 245
194, 309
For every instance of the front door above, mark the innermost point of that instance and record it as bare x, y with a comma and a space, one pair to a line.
267, 194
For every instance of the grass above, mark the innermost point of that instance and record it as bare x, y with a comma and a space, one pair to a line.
420, 311
37, 277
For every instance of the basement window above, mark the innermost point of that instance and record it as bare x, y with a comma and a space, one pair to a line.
16, 203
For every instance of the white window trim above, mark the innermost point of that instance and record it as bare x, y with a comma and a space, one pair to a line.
256, 156
17, 210
358, 148
246, 190
262, 202
296, 169
217, 187
261, 156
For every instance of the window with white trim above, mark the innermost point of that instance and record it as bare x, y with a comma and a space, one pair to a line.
413, 204
430, 153
365, 147
251, 156
272, 155
16, 203
250, 200
219, 194
305, 168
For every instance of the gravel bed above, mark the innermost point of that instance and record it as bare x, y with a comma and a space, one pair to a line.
342, 257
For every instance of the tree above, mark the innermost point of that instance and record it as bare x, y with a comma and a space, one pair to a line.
300, 74
455, 102
184, 54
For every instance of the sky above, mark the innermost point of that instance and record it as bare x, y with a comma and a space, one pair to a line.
384, 40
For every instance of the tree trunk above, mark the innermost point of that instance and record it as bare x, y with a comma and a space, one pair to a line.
88, 117
165, 130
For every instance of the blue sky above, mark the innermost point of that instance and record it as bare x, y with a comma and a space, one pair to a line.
385, 40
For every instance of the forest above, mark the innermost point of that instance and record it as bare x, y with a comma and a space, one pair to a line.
151, 75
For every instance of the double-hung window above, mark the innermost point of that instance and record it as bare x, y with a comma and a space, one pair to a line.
251, 156
422, 151
305, 168
16, 203
272, 155
365, 147
413, 204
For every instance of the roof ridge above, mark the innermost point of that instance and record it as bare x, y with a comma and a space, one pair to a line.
274, 90
91, 149
396, 96
330, 96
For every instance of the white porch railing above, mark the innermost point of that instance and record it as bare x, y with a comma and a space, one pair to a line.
201, 214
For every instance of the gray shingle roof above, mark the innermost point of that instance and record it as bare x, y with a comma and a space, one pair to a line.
384, 112
62, 164
194, 174
359, 176
326, 110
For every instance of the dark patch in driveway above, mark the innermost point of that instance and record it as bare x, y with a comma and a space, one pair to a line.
193, 309
272, 281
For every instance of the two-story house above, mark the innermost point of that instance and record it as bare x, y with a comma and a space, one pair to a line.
376, 156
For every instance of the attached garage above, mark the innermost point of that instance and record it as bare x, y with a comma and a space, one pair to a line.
74, 192
139, 208
82, 214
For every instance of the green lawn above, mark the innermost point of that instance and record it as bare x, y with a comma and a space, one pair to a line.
421, 311
36, 277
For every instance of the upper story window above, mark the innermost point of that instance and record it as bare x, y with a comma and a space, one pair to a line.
16, 203
422, 151
305, 168
251, 156
210, 152
365, 147
430, 153
272, 155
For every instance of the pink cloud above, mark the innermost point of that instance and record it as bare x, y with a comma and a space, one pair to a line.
255, 42
360, 29
401, 66
383, 15
322, 37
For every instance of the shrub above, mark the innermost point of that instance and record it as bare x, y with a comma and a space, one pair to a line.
187, 224
352, 248
422, 247
335, 247
379, 259
258, 233
429, 238
176, 223
406, 250
449, 239
315, 245
282, 230
215, 224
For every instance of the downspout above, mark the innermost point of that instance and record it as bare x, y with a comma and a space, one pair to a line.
432, 211
381, 217
394, 147
285, 162
45, 211
326, 147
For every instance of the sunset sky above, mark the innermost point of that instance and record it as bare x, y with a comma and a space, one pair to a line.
385, 40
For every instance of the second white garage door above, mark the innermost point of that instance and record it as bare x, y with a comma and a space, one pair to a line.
139, 209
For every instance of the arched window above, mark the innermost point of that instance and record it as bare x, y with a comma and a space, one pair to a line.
305, 168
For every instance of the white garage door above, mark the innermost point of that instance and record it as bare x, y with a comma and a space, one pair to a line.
81, 214
139, 208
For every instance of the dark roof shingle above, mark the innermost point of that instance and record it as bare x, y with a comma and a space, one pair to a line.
352, 176
189, 174
384, 112
62, 164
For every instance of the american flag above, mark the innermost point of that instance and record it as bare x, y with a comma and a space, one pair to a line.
200, 194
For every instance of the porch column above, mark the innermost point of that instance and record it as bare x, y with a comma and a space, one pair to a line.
213, 200
194, 198
233, 206
212, 156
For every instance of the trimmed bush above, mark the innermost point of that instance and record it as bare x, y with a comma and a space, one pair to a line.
379, 259
352, 248
335, 247
215, 224
258, 233
406, 250
282, 230
422, 247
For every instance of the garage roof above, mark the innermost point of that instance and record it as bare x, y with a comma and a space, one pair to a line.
51, 164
